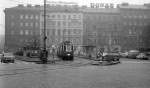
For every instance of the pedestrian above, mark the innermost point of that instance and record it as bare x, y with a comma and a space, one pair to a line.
43, 56
53, 55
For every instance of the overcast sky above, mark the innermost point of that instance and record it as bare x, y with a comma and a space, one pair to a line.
10, 3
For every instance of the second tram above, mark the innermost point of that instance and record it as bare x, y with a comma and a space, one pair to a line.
65, 50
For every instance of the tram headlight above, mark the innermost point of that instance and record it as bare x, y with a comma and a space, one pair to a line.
68, 54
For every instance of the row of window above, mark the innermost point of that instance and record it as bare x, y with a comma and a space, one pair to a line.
103, 41
24, 32
135, 23
62, 23
136, 16
26, 40
103, 17
63, 16
64, 32
29, 24
134, 32
26, 24
29, 16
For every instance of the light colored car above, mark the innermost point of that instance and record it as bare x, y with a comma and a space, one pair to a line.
125, 54
142, 56
133, 53
7, 57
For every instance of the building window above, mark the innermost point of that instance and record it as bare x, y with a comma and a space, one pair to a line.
140, 16
31, 17
74, 16
12, 16
145, 16
31, 24
79, 16
53, 31
58, 16
64, 16
36, 24
31, 32
59, 32
58, 23
69, 31
130, 31
64, 23
26, 32
53, 16
21, 24
75, 31
21, 32
69, 17
12, 23
135, 23
12, 32
21, 16
36, 17
26, 16
26, 24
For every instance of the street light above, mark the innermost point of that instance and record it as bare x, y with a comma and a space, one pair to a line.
44, 53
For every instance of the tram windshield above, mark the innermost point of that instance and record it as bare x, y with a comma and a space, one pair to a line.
68, 48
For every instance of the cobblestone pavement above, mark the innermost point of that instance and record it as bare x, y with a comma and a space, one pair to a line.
128, 74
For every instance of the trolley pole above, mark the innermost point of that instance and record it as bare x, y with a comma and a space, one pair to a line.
44, 53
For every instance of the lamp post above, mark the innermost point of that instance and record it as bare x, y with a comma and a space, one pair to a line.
44, 53
44, 25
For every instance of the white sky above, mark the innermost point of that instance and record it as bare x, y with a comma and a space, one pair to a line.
9, 3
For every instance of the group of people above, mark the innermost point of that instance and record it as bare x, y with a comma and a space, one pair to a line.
44, 55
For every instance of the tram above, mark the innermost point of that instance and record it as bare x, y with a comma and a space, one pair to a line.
65, 50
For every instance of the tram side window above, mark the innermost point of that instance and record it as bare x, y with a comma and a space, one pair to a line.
64, 48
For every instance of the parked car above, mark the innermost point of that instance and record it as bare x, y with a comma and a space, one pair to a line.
111, 57
133, 53
124, 54
142, 56
7, 57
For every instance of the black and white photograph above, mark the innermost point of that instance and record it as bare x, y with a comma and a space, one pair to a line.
75, 44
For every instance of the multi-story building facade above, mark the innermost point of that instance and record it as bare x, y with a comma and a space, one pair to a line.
102, 28
21, 26
135, 24
125, 27
63, 23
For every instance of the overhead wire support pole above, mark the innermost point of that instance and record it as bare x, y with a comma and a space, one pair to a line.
44, 53
44, 25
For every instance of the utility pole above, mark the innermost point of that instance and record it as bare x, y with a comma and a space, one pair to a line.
45, 25
44, 53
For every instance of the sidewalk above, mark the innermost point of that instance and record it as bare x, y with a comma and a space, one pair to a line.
28, 59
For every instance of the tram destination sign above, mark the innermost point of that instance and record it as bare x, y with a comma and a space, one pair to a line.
102, 5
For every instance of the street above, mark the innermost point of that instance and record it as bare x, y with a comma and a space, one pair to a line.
128, 74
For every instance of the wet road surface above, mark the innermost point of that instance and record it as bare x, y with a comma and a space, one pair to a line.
128, 74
